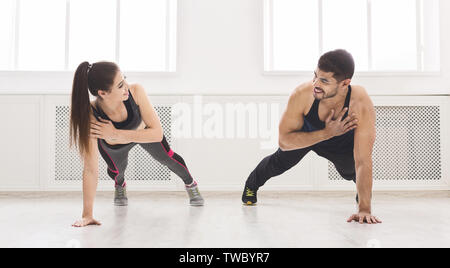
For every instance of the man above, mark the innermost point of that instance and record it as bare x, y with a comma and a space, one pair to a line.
333, 119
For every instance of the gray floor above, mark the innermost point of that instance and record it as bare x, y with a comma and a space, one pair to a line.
163, 219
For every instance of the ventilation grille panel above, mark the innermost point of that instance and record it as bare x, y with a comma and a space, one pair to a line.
407, 146
141, 166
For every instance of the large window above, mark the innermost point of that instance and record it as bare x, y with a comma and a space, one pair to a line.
57, 35
382, 35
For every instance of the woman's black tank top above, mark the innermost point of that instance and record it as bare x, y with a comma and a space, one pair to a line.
133, 120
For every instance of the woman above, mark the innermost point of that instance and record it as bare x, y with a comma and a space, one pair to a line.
120, 117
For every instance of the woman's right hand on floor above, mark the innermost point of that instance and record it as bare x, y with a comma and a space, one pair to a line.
85, 222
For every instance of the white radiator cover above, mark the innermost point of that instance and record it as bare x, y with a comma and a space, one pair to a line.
407, 149
141, 166
407, 146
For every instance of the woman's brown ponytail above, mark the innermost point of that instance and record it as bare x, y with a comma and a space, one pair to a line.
88, 78
80, 109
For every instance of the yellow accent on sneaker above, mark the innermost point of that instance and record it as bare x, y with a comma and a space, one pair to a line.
249, 192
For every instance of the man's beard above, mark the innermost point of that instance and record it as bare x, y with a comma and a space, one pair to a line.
328, 96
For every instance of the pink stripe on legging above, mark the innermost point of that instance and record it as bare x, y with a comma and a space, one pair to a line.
115, 171
170, 154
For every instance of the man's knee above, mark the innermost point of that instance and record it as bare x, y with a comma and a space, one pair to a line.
350, 178
348, 175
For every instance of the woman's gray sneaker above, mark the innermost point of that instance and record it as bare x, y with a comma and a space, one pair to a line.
120, 196
195, 199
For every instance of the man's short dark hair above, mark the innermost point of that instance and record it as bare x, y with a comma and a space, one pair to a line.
339, 62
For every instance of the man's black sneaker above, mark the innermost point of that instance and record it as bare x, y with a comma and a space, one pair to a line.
249, 196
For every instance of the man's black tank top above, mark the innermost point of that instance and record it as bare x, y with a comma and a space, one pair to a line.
338, 144
133, 120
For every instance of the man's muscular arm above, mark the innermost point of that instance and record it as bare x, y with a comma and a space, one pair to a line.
290, 137
363, 146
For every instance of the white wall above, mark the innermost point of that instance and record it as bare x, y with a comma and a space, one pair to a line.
220, 52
